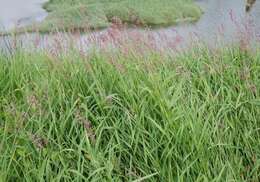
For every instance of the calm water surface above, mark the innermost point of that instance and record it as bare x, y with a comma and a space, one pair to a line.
20, 12
223, 20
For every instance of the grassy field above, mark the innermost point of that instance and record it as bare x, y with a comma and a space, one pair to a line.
96, 14
193, 117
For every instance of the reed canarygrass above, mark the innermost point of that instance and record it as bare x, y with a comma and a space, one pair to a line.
132, 111
117, 117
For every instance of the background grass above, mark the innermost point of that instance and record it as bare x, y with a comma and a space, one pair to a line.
96, 14
193, 117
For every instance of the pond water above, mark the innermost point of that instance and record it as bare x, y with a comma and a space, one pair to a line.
223, 21
16, 13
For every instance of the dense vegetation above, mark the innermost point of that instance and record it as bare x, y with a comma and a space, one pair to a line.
120, 118
95, 14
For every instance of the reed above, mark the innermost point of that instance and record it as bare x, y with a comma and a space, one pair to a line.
123, 117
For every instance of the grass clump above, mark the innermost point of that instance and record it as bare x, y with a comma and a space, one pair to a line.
89, 14
124, 118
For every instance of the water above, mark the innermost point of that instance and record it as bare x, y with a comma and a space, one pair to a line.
17, 13
223, 21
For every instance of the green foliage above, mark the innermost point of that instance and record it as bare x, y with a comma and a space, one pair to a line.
187, 118
95, 14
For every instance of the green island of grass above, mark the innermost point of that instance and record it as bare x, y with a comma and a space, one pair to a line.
192, 117
97, 14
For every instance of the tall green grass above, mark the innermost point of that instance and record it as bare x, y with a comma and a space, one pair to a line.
193, 117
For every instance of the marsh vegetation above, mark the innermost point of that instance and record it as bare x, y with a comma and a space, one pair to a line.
133, 111
126, 117
96, 14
